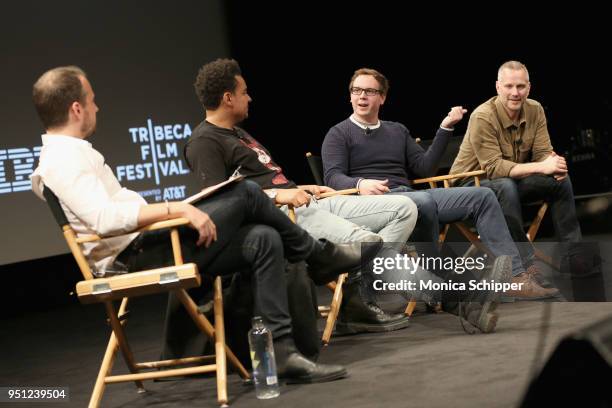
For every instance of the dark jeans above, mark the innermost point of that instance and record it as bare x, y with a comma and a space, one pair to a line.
559, 194
446, 205
252, 235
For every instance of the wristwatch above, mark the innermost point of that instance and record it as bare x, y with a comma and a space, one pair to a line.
271, 193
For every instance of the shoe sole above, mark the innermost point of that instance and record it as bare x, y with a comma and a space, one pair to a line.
500, 272
488, 322
309, 380
343, 328
551, 296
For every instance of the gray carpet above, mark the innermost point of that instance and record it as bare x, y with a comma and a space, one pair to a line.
433, 363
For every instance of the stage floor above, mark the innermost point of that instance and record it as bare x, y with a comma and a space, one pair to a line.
432, 363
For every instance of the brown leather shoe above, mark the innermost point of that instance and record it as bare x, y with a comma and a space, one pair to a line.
530, 289
536, 274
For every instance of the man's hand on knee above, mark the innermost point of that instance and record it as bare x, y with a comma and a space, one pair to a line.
205, 226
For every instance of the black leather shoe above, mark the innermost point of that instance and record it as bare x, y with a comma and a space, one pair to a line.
328, 260
299, 370
357, 316
294, 368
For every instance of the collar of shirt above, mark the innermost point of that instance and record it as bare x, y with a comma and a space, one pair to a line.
361, 125
48, 139
230, 132
505, 119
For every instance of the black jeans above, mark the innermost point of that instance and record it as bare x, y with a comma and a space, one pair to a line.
252, 236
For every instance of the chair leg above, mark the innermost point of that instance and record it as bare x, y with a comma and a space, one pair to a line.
412, 303
107, 364
410, 307
220, 345
334, 309
473, 238
204, 325
546, 259
128, 356
535, 224
443, 234
533, 230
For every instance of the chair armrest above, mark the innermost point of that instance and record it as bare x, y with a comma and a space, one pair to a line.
175, 222
292, 215
139, 283
348, 191
474, 173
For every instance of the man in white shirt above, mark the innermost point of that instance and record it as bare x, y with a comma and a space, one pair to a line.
238, 228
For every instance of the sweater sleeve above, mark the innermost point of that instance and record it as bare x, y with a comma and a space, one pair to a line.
206, 158
424, 163
335, 156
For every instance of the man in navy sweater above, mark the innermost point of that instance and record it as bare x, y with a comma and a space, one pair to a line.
380, 157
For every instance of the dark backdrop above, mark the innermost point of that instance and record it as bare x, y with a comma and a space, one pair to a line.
298, 58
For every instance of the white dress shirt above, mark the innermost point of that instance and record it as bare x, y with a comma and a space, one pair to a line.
90, 196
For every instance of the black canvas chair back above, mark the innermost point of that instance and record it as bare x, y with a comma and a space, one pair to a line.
55, 207
316, 168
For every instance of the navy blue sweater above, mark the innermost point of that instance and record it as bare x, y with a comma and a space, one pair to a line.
388, 152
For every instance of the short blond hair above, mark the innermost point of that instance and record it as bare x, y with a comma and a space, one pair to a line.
515, 65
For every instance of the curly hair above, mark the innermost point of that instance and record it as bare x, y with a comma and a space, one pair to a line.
214, 79
55, 91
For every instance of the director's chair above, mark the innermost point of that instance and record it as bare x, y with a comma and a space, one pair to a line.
175, 278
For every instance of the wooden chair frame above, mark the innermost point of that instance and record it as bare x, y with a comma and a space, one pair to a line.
474, 238
329, 312
336, 287
174, 279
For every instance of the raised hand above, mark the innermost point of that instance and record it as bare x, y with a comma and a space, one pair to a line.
454, 115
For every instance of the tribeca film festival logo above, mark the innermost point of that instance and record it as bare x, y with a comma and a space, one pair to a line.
159, 153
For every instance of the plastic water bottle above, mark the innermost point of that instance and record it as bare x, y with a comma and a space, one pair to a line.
263, 361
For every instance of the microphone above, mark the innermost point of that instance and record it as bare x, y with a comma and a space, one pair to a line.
367, 130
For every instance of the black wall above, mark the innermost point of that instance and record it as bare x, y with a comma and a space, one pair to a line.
297, 60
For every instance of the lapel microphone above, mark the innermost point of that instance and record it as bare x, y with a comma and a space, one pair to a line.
367, 130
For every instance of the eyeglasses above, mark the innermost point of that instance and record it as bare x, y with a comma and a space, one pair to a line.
368, 91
